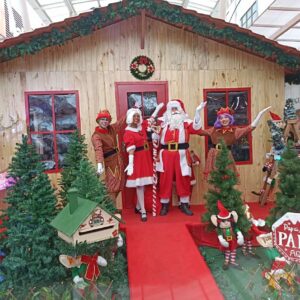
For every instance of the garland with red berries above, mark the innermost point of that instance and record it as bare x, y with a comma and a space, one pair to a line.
142, 67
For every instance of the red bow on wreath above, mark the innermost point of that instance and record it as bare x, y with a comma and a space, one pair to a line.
92, 270
143, 60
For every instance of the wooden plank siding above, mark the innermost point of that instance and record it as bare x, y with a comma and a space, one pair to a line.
189, 63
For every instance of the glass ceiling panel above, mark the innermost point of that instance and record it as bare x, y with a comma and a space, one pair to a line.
266, 31
276, 17
293, 33
286, 3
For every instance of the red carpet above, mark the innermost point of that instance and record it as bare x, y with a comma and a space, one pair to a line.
163, 259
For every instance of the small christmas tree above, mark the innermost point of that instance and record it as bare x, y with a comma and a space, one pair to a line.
77, 150
289, 111
223, 179
29, 241
288, 199
91, 188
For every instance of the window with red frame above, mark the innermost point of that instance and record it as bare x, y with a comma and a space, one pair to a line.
51, 119
239, 100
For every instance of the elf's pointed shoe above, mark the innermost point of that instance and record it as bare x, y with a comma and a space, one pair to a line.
164, 209
184, 207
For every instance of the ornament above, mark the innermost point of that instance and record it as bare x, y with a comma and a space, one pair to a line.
142, 67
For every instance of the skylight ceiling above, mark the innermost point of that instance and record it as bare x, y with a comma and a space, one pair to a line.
280, 22
58, 10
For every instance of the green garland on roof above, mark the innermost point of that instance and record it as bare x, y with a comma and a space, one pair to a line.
170, 13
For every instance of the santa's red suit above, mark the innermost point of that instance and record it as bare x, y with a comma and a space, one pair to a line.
174, 156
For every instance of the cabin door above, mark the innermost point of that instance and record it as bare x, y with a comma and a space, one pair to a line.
148, 95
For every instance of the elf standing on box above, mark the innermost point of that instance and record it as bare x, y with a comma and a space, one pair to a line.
228, 234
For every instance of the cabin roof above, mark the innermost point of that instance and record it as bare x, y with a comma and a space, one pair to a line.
68, 223
216, 29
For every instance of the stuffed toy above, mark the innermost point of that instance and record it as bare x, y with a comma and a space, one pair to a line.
254, 231
85, 270
228, 234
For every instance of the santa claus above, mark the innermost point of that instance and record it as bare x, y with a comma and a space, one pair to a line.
174, 156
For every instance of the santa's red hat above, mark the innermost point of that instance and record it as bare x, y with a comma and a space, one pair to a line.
275, 117
176, 103
223, 212
103, 114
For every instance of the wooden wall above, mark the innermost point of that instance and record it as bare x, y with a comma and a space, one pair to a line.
188, 62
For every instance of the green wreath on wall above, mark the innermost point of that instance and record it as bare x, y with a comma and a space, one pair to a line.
142, 67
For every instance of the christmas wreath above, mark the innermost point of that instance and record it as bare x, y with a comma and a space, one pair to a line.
142, 67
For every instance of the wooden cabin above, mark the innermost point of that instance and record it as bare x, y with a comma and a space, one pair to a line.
74, 68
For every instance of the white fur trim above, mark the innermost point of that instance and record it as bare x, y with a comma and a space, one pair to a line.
130, 114
193, 182
133, 129
139, 182
173, 103
130, 148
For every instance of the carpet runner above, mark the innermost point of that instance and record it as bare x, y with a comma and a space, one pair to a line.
163, 258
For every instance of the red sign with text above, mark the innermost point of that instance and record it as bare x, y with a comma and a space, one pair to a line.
286, 236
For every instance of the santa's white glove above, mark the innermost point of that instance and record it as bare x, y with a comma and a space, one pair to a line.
100, 168
77, 279
256, 120
157, 109
120, 241
223, 242
129, 168
197, 117
101, 261
240, 238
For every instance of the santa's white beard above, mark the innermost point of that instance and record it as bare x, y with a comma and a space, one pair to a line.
176, 120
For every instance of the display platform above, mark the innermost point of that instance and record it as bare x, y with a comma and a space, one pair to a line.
163, 257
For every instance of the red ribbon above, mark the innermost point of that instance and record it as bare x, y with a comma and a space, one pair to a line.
92, 270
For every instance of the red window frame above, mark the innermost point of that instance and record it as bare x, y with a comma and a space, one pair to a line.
227, 91
54, 131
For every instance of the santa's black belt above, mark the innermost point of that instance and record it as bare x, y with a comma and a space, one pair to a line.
110, 153
219, 146
175, 146
144, 147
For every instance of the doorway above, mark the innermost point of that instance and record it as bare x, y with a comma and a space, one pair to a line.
147, 95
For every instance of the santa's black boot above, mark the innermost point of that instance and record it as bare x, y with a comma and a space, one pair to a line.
184, 207
164, 209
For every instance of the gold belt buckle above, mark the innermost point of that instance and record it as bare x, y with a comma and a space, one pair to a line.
117, 149
146, 146
171, 148
218, 146
229, 238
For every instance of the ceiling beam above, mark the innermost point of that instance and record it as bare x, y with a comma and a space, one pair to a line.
288, 40
40, 11
284, 8
70, 7
285, 28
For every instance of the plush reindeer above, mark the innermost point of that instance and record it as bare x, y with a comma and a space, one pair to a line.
228, 234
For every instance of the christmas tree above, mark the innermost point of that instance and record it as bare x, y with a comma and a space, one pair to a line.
223, 180
277, 137
288, 199
90, 187
77, 150
289, 110
29, 242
